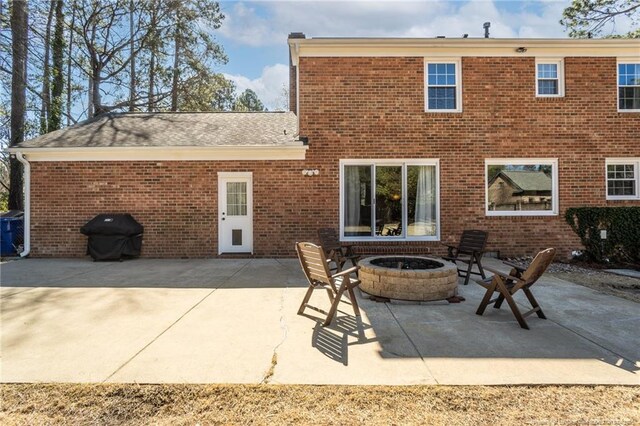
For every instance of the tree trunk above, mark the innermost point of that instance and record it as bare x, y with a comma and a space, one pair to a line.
55, 118
132, 77
69, 56
152, 81
176, 64
153, 45
19, 22
96, 98
90, 108
46, 75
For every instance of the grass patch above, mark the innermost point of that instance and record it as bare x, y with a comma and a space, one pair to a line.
114, 404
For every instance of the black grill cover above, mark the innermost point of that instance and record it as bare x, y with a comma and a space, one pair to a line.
112, 224
113, 236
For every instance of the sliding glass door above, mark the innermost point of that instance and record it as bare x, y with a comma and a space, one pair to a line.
389, 200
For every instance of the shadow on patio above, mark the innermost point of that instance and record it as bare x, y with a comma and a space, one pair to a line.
222, 311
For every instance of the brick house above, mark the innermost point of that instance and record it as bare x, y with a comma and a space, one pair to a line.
391, 141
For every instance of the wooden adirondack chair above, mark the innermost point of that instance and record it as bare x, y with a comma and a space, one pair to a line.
469, 251
334, 250
316, 269
506, 285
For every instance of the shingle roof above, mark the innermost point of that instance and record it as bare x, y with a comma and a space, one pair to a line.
529, 180
175, 129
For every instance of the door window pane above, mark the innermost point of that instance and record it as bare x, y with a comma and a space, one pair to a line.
236, 198
357, 201
421, 200
389, 201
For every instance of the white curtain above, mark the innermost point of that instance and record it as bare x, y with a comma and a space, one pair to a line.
425, 197
352, 196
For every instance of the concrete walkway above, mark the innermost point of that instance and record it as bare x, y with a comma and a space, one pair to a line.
234, 321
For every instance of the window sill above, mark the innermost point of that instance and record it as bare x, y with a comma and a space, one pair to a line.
520, 214
623, 198
443, 111
387, 239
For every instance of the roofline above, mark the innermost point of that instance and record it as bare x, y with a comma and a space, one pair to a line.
164, 153
471, 41
513, 183
111, 114
506, 177
536, 47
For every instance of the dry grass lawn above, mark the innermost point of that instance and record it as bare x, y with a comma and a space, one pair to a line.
40, 404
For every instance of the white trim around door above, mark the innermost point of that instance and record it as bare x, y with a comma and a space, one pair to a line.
235, 212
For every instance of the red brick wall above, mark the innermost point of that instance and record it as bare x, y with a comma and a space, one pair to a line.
365, 108
176, 201
374, 108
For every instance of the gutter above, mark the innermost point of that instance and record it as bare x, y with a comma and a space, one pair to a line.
295, 150
472, 42
26, 173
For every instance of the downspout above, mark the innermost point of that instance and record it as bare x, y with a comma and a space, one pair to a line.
26, 173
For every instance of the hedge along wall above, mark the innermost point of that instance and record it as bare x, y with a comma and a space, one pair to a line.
623, 231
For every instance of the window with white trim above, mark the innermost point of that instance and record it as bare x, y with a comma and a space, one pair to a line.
628, 86
443, 85
549, 78
521, 187
623, 180
389, 200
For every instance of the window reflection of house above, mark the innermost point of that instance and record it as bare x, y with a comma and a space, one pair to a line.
520, 190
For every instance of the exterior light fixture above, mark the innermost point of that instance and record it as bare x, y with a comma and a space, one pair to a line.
521, 49
310, 172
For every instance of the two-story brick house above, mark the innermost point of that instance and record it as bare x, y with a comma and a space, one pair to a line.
394, 142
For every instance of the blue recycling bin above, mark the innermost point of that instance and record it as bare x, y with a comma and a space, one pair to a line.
11, 235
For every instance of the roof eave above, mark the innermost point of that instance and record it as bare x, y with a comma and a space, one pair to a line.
173, 153
369, 47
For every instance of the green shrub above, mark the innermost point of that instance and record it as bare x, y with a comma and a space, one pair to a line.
623, 232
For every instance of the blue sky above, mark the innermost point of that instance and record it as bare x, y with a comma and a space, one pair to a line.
254, 34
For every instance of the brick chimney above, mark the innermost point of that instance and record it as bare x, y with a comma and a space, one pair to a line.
293, 86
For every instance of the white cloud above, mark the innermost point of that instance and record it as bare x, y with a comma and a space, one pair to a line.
268, 23
243, 25
269, 86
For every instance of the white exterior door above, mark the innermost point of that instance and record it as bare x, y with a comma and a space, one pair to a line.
235, 212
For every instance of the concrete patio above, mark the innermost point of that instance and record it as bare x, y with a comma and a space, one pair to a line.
234, 321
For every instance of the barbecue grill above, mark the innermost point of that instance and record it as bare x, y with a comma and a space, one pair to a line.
113, 236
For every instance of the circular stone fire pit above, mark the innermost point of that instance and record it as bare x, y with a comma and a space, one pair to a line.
408, 277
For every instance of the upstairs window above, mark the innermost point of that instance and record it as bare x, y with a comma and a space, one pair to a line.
443, 85
549, 78
629, 86
623, 182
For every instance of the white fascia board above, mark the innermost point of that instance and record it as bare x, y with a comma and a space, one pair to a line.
218, 153
629, 48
